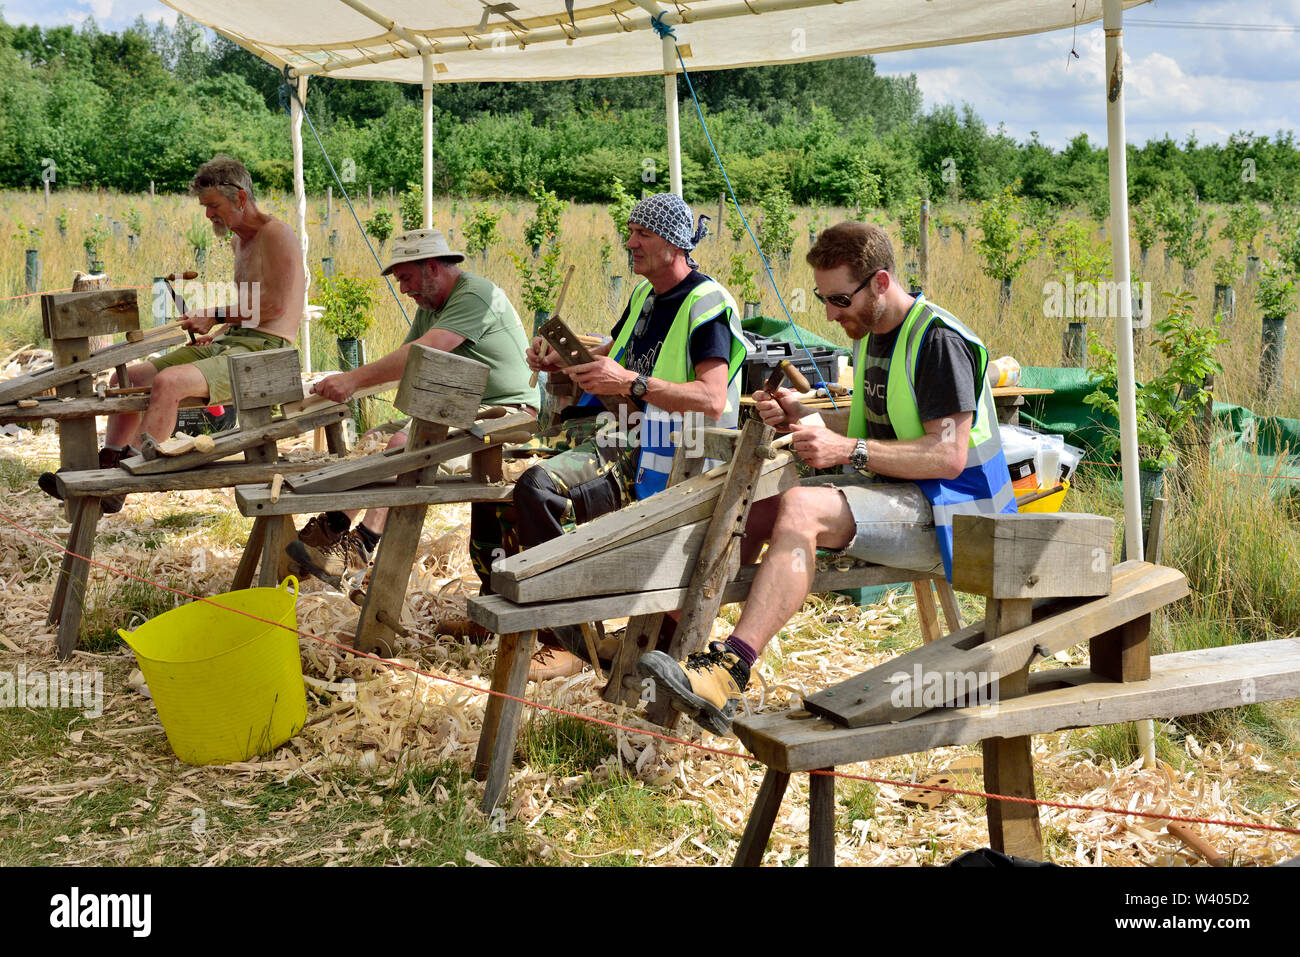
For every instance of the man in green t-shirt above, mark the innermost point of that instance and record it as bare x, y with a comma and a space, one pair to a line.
459, 313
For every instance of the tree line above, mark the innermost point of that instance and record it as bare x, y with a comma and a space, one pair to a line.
153, 102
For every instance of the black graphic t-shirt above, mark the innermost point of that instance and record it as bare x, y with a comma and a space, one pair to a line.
946, 373
710, 341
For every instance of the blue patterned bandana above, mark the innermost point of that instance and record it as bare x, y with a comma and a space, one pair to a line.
667, 215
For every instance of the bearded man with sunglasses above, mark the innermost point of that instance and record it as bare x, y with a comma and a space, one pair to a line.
921, 418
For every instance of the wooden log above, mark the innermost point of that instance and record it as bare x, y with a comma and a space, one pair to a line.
87, 407
259, 380
821, 819
280, 532
874, 696
234, 442
1033, 555
95, 312
311, 402
340, 476
926, 612
440, 387
761, 818
255, 500
951, 612
1188, 682
86, 365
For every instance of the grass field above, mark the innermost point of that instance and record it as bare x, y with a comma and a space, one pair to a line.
582, 793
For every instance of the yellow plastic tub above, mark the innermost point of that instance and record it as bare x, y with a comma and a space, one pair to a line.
1052, 503
226, 686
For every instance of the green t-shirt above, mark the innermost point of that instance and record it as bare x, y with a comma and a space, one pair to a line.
478, 310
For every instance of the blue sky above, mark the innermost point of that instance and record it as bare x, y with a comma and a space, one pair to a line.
1179, 81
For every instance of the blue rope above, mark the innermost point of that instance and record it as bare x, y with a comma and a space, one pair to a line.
661, 28
388, 279
767, 268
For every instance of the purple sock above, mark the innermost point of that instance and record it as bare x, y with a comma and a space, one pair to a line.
742, 651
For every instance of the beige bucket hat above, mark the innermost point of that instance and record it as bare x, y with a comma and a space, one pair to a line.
420, 244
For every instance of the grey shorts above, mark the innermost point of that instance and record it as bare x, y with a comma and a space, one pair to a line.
895, 524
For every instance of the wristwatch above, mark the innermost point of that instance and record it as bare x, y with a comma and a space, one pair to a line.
859, 458
638, 388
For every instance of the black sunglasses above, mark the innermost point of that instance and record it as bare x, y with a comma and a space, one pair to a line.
840, 299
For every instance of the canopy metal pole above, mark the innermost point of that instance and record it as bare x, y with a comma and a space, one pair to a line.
300, 202
1113, 21
670, 110
427, 61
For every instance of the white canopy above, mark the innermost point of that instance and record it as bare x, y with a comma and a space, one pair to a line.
473, 40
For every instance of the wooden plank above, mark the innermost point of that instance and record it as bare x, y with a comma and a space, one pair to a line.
233, 442
497, 752
1188, 682
259, 380
20, 387
440, 387
666, 560
310, 402
116, 481
341, 476
51, 407
95, 312
253, 500
1140, 590
1123, 653
678, 505
761, 818
501, 615
821, 819
1032, 555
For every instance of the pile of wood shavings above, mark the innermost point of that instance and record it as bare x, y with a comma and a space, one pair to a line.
373, 715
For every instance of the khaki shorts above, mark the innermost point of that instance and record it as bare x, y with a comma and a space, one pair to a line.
212, 361
894, 521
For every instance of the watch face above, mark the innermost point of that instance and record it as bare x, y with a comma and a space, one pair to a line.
638, 387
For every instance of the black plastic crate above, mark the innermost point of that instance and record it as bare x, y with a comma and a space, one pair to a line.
823, 366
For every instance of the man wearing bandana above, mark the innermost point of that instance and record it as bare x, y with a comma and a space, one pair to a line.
675, 353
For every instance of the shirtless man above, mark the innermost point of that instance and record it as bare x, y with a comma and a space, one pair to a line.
271, 283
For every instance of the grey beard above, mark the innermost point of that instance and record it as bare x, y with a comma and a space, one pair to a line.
220, 229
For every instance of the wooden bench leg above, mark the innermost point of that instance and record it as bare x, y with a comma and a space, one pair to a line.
335, 440
248, 562
1123, 653
496, 743
275, 563
1009, 770
925, 610
389, 578
75, 572
821, 819
948, 599
761, 818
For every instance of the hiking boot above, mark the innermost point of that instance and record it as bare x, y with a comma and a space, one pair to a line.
108, 459
551, 662
329, 552
706, 687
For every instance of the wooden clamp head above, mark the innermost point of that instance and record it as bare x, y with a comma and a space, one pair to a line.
1033, 555
96, 312
440, 387
259, 380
